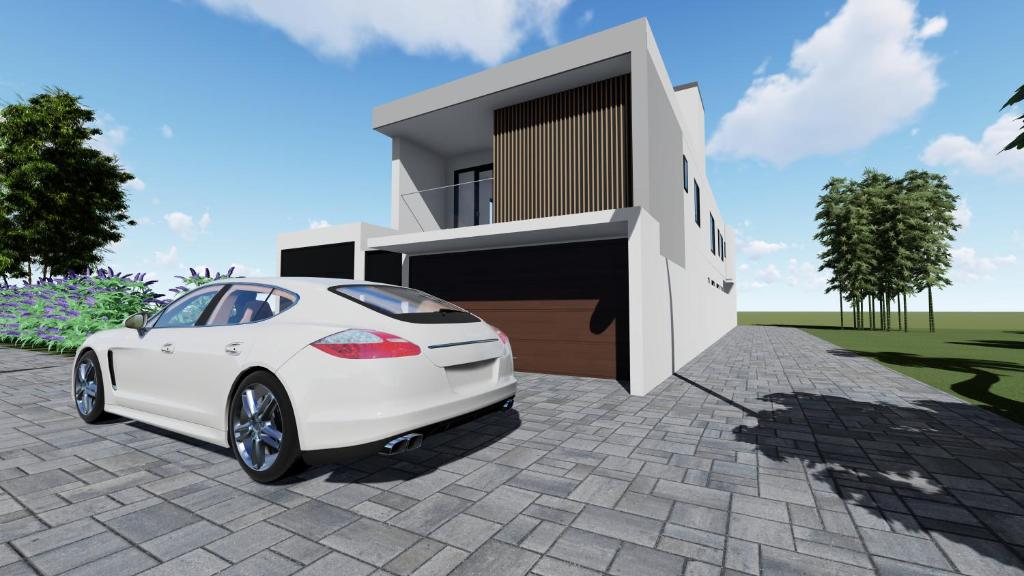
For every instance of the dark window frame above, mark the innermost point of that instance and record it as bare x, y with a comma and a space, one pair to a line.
696, 202
476, 170
713, 237
686, 174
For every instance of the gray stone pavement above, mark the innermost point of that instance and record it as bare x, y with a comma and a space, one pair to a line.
773, 453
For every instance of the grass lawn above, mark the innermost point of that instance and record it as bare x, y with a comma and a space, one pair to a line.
978, 356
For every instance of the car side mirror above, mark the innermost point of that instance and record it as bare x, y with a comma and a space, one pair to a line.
135, 321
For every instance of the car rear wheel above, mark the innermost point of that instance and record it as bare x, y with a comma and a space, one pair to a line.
88, 388
262, 428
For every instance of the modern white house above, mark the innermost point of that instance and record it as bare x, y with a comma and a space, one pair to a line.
563, 198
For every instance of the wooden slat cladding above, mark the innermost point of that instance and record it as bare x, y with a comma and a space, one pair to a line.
564, 153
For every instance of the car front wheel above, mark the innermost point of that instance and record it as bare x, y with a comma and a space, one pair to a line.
88, 387
262, 428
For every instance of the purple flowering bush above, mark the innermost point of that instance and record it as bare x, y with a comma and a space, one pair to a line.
59, 313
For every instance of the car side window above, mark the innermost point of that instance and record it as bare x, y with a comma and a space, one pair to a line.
245, 303
188, 309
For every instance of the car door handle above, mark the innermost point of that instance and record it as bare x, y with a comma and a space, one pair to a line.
234, 348
167, 348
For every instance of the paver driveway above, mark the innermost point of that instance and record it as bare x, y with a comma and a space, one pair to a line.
773, 453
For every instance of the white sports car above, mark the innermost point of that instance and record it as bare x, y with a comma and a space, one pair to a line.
286, 369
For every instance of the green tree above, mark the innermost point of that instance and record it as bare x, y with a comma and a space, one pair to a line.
936, 203
1018, 96
62, 201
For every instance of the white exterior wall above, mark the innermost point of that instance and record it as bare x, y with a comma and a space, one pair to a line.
675, 312
415, 168
357, 232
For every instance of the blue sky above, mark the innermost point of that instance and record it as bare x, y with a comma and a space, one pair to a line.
242, 119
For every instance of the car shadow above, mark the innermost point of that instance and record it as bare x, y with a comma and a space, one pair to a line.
441, 446
928, 468
172, 435
980, 377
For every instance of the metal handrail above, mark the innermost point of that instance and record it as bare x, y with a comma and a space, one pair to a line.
447, 186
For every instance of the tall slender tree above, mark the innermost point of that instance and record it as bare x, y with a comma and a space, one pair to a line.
936, 204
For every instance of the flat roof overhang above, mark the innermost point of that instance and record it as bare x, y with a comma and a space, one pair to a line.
602, 225
457, 117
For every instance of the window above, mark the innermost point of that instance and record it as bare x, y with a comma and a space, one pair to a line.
721, 245
713, 237
474, 196
696, 203
405, 304
188, 309
245, 303
723, 249
686, 174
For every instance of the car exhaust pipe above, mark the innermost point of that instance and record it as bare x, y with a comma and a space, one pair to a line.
507, 404
402, 444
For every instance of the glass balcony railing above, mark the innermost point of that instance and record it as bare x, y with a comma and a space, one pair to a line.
468, 203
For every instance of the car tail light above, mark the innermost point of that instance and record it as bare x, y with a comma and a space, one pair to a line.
358, 344
501, 336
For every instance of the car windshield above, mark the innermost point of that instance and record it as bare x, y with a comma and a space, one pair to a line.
405, 303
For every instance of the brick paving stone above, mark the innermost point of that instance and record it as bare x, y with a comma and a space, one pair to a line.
778, 454
371, 541
497, 558
466, 532
314, 519
585, 549
183, 540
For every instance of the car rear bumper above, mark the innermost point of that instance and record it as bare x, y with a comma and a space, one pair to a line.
341, 403
348, 453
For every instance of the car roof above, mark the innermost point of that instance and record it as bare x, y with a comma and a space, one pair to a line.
294, 282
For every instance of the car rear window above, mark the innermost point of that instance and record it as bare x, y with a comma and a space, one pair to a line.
405, 304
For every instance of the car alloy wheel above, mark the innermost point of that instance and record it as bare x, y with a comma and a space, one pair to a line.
86, 386
258, 428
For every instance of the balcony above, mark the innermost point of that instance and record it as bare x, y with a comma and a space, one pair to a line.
470, 202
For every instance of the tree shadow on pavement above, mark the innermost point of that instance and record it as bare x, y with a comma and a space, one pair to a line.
948, 470
981, 377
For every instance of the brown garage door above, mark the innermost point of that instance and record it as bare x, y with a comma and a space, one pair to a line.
564, 306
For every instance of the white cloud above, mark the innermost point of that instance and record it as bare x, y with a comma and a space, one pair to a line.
962, 215
169, 258
768, 274
314, 224
113, 136
586, 18
983, 156
243, 270
762, 67
861, 75
185, 226
758, 248
933, 27
805, 275
1017, 237
965, 259
166, 131
136, 184
802, 275
487, 31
